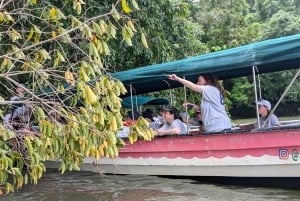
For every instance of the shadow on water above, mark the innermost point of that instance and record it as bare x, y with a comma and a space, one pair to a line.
87, 186
283, 182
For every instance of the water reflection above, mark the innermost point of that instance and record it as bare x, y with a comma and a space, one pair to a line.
78, 186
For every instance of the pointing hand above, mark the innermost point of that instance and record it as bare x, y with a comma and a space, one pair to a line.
172, 77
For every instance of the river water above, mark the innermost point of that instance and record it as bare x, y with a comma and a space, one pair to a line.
86, 186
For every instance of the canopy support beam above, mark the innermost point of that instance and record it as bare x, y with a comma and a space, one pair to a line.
131, 96
255, 94
282, 96
186, 109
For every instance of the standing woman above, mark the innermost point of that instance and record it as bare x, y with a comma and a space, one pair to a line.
213, 111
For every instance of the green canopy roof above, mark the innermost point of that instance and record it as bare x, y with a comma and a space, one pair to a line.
268, 56
143, 100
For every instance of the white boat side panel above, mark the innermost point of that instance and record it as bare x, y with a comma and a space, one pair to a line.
211, 161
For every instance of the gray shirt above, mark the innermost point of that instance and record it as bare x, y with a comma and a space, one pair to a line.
175, 124
21, 111
213, 111
273, 121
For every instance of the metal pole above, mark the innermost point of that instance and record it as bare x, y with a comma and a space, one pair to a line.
255, 95
131, 98
186, 109
170, 92
259, 86
171, 98
282, 96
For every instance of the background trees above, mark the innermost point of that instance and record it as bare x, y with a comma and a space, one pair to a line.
170, 34
227, 24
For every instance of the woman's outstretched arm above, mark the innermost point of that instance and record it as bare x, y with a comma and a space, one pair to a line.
188, 84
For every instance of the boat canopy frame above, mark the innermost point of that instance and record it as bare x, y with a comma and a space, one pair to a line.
253, 59
267, 56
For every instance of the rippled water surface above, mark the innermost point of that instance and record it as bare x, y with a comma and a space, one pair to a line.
85, 186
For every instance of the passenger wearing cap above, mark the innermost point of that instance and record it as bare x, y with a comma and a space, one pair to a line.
172, 123
264, 108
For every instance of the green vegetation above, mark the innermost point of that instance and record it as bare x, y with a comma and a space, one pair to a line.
57, 48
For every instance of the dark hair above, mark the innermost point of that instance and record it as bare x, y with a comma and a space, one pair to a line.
212, 80
133, 115
172, 110
161, 109
148, 113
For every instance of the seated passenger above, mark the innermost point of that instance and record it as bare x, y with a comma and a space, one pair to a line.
197, 121
194, 121
56, 116
184, 117
264, 107
190, 106
132, 117
172, 124
7, 121
160, 117
148, 115
19, 114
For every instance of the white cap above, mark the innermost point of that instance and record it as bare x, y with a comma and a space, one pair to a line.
265, 103
21, 86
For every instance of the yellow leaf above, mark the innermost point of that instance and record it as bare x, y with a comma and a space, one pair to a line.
34, 1
106, 48
135, 5
103, 26
115, 14
130, 138
4, 62
69, 78
14, 35
83, 75
95, 118
78, 8
113, 123
144, 41
36, 39
59, 14
112, 30
53, 13
97, 28
90, 95
125, 6
30, 34
131, 25
53, 33
37, 30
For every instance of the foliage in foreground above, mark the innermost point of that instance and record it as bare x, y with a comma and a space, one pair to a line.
56, 48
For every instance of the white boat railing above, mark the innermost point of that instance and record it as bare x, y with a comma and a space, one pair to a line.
289, 121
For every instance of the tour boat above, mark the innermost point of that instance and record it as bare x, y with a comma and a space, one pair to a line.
272, 152
268, 153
